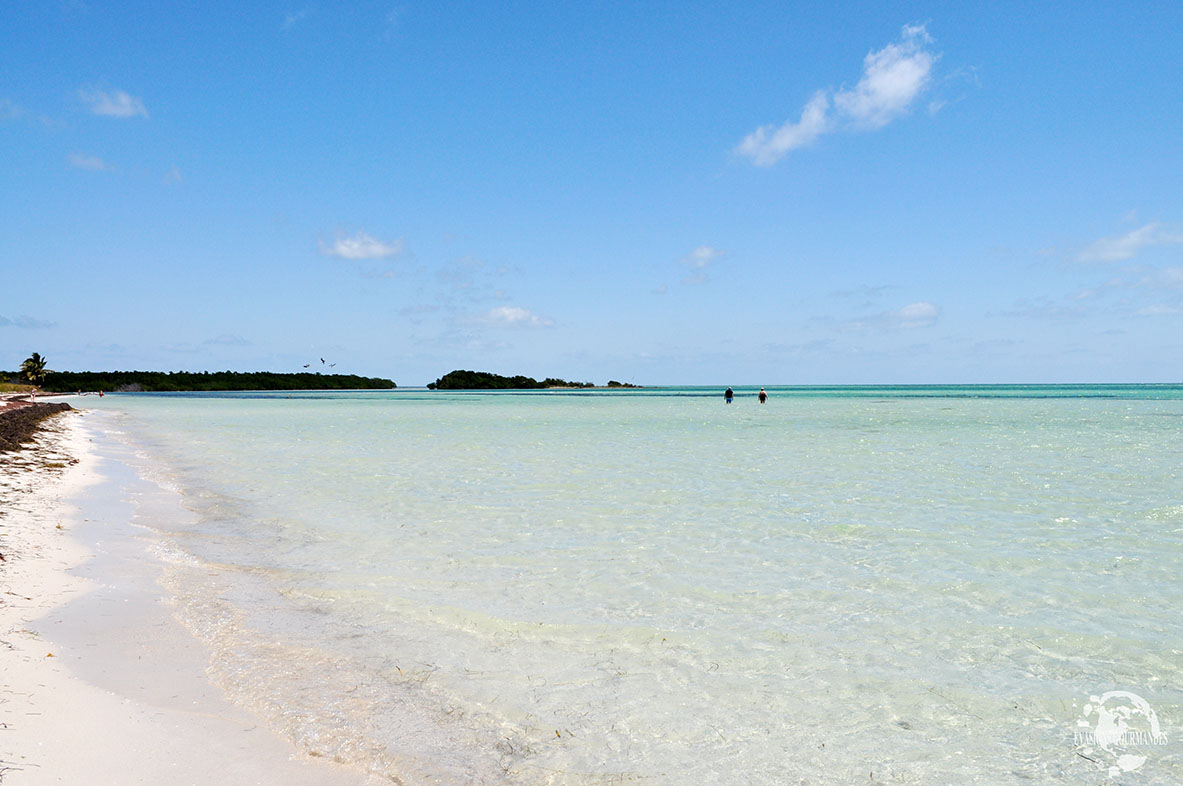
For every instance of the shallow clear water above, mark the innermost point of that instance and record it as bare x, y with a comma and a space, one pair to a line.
918, 585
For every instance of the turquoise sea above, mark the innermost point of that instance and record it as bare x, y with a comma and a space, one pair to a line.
922, 585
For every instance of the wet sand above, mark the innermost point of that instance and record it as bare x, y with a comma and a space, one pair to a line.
100, 683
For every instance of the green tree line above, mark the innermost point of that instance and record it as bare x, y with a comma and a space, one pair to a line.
483, 380
176, 381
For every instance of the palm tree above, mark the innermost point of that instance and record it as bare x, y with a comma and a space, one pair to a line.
34, 370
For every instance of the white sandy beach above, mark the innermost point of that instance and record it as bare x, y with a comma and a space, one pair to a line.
100, 684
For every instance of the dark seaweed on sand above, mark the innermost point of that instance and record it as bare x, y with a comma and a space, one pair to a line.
19, 424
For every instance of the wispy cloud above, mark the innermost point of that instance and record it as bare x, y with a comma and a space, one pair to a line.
393, 19
863, 291
698, 260
227, 340
10, 111
295, 17
892, 79
26, 322
181, 348
514, 316
812, 347
1129, 245
473, 280
1159, 310
173, 176
1158, 282
1044, 307
1170, 277
89, 163
374, 274
913, 315
1139, 290
115, 103
700, 257
362, 246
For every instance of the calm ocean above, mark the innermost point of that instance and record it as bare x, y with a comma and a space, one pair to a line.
927, 585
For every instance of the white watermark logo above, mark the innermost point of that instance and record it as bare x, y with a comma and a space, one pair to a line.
1115, 731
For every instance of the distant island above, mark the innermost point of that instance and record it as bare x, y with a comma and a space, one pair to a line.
178, 381
483, 380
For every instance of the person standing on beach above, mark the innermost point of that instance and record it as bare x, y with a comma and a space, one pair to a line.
763, 396
728, 395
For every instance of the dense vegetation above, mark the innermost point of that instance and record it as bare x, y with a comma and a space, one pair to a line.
160, 381
483, 380
461, 380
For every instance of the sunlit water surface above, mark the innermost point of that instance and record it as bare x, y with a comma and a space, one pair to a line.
843, 585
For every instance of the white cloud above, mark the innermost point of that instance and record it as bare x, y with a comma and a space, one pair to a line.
767, 145
913, 315
112, 104
90, 163
916, 314
362, 246
514, 316
173, 176
1129, 245
698, 260
892, 79
700, 257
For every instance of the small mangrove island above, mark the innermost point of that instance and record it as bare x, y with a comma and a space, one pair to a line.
483, 380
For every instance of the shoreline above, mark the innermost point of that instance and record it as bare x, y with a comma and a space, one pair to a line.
101, 683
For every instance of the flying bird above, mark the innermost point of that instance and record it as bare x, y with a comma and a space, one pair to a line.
322, 360
306, 365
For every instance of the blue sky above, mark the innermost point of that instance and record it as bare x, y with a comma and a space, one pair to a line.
661, 193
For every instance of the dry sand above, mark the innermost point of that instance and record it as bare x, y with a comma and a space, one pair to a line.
100, 684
